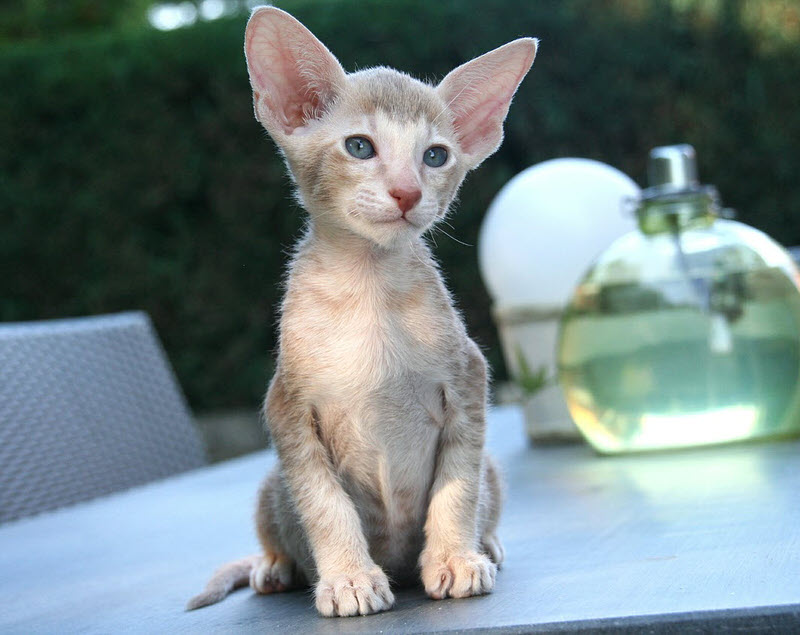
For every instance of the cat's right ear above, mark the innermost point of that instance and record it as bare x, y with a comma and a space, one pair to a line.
294, 77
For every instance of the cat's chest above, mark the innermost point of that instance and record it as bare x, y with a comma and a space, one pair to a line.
369, 344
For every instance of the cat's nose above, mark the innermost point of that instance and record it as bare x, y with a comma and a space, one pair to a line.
406, 197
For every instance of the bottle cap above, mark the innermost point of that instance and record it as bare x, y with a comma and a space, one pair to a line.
673, 167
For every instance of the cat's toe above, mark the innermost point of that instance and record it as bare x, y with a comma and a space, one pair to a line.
360, 594
458, 576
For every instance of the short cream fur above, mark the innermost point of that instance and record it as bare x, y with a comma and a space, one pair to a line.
378, 404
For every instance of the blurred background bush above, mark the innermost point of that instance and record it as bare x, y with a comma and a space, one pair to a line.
134, 176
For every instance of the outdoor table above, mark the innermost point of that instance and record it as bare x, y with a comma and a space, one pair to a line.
703, 538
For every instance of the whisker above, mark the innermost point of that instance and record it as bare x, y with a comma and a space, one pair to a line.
414, 251
460, 242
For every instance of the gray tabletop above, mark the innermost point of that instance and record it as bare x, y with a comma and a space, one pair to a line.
707, 538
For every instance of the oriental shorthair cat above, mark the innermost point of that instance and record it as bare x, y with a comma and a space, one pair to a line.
377, 407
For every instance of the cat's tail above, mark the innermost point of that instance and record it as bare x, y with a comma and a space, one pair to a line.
227, 578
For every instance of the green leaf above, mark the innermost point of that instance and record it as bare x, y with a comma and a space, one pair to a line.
531, 382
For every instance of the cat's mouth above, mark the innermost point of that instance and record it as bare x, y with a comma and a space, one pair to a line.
396, 220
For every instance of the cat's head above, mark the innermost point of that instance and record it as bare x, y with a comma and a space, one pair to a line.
376, 152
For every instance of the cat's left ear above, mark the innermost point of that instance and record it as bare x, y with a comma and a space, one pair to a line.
479, 93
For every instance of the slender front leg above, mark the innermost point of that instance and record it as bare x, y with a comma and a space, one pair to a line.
451, 563
349, 582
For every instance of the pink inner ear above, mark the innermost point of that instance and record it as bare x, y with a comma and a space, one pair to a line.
481, 126
299, 98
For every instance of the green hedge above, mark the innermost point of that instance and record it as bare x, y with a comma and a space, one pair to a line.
133, 175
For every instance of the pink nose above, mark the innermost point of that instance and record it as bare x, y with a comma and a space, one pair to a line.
406, 198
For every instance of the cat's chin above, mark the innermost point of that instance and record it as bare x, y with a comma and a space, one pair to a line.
390, 232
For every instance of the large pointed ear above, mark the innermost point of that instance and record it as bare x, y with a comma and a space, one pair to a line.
479, 93
294, 77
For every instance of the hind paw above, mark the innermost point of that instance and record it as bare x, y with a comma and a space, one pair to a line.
273, 574
492, 547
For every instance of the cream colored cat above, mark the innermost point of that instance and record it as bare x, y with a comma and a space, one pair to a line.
378, 404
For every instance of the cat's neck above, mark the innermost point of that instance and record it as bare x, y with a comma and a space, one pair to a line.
340, 246
358, 265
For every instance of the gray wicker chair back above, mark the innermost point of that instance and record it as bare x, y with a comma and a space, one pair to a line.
88, 406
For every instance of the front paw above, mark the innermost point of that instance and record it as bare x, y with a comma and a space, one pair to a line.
458, 576
360, 594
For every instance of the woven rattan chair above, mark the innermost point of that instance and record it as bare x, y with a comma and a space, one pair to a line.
88, 406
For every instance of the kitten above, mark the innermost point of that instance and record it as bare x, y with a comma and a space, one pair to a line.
377, 406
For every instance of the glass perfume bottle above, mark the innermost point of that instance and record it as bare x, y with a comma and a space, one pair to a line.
686, 332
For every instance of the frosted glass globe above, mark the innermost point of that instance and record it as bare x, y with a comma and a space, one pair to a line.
546, 226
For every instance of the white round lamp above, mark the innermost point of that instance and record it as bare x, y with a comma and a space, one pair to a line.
540, 235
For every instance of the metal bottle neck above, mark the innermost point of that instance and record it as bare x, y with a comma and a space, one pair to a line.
663, 209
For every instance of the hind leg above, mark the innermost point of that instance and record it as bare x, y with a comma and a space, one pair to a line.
489, 511
276, 570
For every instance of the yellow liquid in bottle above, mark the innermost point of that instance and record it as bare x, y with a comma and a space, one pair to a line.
656, 371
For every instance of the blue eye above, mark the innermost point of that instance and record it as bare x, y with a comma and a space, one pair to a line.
435, 156
359, 147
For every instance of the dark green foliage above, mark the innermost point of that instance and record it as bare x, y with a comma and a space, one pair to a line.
47, 19
133, 175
